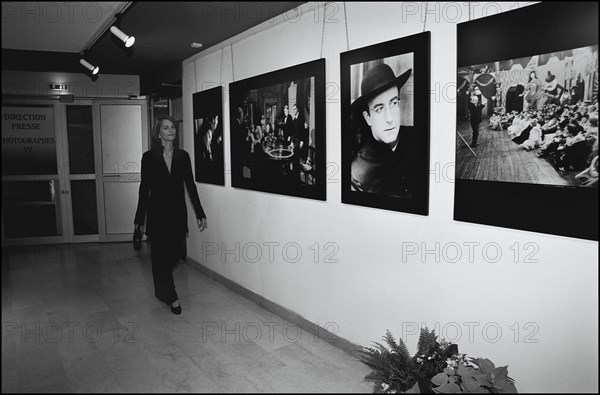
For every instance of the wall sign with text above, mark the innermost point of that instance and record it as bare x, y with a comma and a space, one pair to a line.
28, 141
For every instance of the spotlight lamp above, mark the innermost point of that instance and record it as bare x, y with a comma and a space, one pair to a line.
90, 67
128, 40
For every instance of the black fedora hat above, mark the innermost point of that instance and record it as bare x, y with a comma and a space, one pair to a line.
377, 80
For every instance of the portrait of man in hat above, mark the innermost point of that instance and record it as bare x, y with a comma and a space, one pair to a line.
381, 164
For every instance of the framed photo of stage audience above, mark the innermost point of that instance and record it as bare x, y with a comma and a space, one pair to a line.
385, 125
208, 136
278, 131
527, 120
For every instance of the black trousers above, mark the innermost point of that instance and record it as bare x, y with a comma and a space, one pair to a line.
165, 252
475, 127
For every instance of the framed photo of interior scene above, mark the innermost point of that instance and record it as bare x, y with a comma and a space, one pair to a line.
208, 136
385, 125
278, 131
527, 120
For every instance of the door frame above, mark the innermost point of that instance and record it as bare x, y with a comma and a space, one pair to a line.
115, 177
71, 236
61, 206
64, 204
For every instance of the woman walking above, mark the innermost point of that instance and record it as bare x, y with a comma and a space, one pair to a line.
165, 169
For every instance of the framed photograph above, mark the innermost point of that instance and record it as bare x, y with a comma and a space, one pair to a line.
385, 125
278, 131
208, 136
527, 120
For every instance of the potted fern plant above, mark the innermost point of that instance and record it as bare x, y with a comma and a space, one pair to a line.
437, 367
393, 369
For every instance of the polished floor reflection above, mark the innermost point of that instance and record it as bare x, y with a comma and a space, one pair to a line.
83, 318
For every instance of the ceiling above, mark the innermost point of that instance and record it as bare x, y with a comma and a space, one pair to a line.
50, 36
55, 27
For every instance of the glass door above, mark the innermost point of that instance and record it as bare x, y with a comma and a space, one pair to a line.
82, 173
71, 172
121, 141
33, 188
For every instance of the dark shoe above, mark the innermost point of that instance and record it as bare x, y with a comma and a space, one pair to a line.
176, 310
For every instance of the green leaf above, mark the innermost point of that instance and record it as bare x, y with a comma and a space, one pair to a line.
482, 379
449, 371
470, 385
485, 365
397, 348
481, 390
440, 379
465, 372
501, 373
427, 342
506, 387
449, 388
414, 389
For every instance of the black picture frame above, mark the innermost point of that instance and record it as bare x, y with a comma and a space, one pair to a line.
413, 146
290, 159
208, 136
557, 210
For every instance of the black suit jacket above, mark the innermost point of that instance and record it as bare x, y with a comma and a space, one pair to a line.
475, 112
298, 128
286, 125
378, 169
162, 197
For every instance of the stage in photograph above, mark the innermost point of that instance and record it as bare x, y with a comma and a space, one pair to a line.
530, 120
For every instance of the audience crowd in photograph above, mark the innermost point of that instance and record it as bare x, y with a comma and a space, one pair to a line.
567, 135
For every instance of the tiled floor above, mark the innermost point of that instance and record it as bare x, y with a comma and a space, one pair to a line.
83, 318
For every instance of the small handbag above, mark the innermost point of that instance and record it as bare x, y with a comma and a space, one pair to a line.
137, 239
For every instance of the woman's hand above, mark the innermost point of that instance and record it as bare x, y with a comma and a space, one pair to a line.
202, 224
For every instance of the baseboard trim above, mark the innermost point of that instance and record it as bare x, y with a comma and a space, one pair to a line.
289, 315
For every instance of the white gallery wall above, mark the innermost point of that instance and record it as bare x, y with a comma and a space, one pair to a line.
522, 299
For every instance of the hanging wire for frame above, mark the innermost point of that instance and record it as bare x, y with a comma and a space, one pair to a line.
346, 22
323, 31
425, 18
